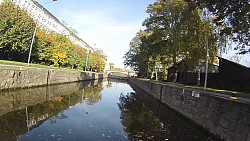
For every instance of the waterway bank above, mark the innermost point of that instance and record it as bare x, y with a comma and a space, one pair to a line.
13, 77
229, 119
91, 110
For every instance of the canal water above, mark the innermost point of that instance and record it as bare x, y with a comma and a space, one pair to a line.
91, 111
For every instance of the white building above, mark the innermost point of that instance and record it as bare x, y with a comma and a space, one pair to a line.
45, 19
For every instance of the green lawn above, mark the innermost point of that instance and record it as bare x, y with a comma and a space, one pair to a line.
7, 62
234, 93
228, 92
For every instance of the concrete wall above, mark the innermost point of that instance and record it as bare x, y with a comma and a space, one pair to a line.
229, 119
20, 77
19, 99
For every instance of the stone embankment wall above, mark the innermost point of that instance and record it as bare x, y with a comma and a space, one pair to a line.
229, 119
19, 99
21, 77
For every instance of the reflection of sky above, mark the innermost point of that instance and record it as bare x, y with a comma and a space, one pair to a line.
100, 121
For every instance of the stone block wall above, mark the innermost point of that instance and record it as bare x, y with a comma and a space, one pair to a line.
20, 77
150, 87
226, 118
19, 99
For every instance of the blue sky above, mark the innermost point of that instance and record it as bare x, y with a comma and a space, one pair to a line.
108, 25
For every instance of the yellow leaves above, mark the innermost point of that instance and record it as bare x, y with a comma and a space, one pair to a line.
157, 7
98, 60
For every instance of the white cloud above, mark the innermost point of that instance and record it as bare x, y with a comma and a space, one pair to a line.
100, 29
113, 40
110, 25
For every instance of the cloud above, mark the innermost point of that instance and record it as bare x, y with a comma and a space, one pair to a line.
111, 36
109, 24
113, 40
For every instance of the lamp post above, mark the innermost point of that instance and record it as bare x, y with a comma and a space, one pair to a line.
33, 37
86, 61
32, 41
206, 17
87, 57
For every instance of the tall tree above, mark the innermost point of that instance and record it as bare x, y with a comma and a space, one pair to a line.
167, 17
233, 16
137, 56
16, 29
173, 32
98, 60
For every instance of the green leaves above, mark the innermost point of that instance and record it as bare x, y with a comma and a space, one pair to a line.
49, 48
233, 16
16, 29
173, 32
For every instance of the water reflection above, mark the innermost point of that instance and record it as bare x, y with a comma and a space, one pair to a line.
25, 109
108, 110
144, 118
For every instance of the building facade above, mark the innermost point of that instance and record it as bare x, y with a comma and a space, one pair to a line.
44, 19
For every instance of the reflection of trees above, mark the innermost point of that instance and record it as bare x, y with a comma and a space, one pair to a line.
93, 94
14, 123
139, 122
136, 117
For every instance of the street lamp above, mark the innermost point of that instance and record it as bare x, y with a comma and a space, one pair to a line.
32, 41
87, 57
207, 47
33, 37
86, 61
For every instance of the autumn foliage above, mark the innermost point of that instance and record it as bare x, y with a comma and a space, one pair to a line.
49, 48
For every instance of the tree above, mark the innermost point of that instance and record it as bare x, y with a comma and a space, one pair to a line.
137, 56
173, 32
233, 16
98, 60
42, 47
51, 48
16, 29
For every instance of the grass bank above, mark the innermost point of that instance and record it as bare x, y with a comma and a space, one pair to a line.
7, 62
227, 92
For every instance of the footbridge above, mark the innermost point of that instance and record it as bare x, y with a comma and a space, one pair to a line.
121, 72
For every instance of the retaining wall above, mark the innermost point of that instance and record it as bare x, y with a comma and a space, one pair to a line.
19, 99
226, 118
20, 77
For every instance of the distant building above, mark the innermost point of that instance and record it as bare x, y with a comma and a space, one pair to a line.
45, 19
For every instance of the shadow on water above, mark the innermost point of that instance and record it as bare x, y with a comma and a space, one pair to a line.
25, 109
145, 118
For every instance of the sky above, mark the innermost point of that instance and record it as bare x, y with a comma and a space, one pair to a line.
107, 25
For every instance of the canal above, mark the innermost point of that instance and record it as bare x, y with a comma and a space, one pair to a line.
91, 110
